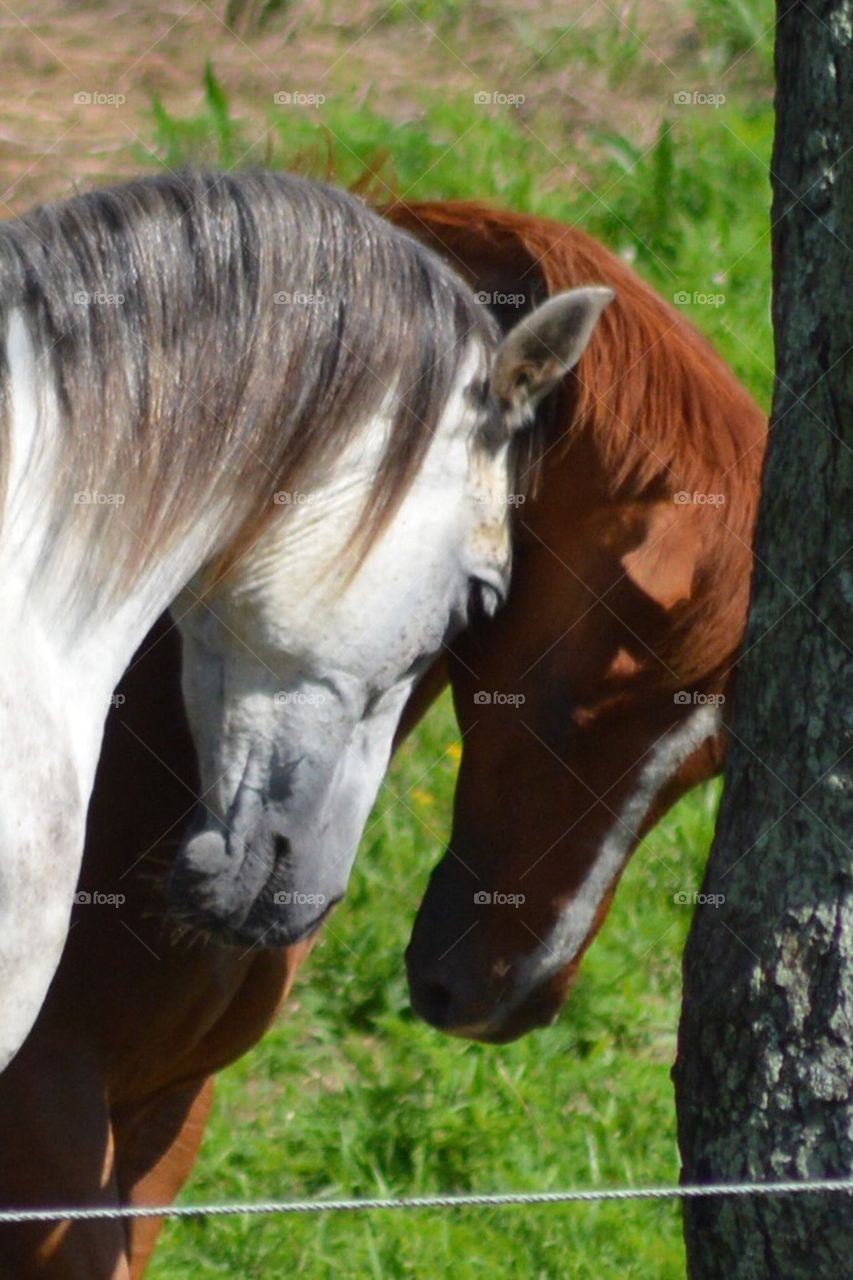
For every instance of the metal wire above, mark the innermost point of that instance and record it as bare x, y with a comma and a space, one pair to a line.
461, 1201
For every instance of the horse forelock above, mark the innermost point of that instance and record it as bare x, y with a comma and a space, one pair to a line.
209, 340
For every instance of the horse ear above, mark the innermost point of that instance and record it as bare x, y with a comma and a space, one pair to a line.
543, 347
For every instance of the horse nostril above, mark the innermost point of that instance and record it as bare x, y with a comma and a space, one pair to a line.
434, 1003
280, 847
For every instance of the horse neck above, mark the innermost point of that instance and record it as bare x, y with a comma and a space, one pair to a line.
76, 659
58, 671
58, 667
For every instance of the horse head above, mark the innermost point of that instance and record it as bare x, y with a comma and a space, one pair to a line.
594, 698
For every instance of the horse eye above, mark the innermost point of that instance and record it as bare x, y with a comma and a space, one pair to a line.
478, 392
484, 600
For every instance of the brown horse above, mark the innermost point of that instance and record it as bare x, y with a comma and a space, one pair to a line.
593, 701
622, 599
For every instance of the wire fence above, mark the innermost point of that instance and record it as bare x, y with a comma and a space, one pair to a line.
460, 1201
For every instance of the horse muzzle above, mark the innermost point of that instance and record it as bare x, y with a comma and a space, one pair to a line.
244, 885
469, 977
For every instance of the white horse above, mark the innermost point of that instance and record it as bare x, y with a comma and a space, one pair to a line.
247, 395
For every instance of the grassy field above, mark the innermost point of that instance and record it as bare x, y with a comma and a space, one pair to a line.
348, 1094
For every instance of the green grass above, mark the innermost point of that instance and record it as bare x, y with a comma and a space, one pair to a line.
348, 1094
690, 210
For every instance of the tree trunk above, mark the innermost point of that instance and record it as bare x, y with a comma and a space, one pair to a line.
765, 1056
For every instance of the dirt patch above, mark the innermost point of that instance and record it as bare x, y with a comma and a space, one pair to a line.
78, 81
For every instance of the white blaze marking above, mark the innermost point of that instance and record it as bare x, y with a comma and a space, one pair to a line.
572, 928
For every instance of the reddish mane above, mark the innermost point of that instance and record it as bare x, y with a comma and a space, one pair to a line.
681, 416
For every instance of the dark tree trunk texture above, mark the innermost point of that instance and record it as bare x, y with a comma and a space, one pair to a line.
765, 1057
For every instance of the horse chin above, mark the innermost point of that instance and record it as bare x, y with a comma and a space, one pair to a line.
237, 901
541, 1010
539, 1007
262, 929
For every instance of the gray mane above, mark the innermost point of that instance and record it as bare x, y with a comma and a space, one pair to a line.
179, 376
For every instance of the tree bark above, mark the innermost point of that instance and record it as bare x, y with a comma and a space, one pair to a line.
765, 1056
